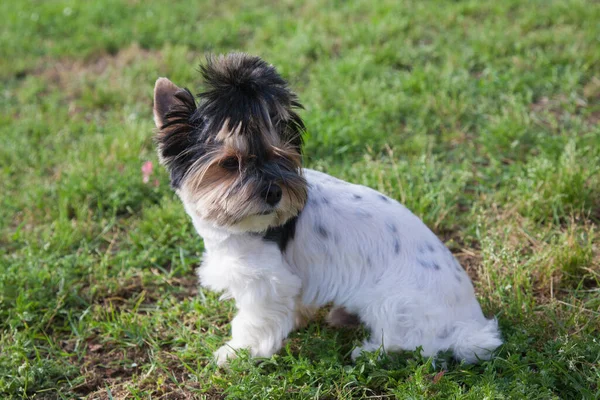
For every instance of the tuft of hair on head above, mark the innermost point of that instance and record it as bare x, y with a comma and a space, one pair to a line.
250, 96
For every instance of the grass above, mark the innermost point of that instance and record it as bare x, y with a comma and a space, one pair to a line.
481, 116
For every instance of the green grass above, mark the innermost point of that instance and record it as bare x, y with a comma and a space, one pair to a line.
481, 116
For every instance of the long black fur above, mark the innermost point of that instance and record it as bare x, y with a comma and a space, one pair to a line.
281, 235
241, 88
178, 132
248, 91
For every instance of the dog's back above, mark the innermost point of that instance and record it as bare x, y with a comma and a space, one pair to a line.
359, 249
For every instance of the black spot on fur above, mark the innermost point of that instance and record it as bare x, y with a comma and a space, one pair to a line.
322, 231
334, 181
384, 198
313, 200
430, 247
457, 266
356, 196
282, 234
429, 264
451, 259
392, 228
396, 246
363, 214
458, 278
369, 262
325, 200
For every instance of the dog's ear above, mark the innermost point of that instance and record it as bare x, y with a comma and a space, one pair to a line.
173, 110
169, 98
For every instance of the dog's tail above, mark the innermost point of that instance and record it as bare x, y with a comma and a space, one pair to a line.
476, 340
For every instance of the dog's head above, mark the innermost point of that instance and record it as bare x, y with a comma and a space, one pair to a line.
234, 158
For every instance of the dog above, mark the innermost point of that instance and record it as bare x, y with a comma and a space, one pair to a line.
283, 241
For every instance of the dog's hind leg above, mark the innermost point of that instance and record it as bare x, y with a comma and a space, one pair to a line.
339, 317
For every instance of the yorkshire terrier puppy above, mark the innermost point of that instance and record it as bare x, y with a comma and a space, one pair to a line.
283, 241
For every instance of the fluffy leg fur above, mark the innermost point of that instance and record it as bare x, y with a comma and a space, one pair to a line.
260, 328
475, 341
265, 292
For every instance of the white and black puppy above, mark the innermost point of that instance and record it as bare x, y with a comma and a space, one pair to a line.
283, 241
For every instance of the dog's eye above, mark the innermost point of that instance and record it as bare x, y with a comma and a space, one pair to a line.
230, 163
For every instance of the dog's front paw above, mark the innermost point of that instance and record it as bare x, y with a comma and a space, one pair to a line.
224, 354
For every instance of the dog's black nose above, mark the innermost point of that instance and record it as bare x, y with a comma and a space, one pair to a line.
272, 194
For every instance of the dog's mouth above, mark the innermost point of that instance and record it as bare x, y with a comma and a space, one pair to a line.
266, 212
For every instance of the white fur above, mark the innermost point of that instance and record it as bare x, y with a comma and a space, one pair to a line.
355, 248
